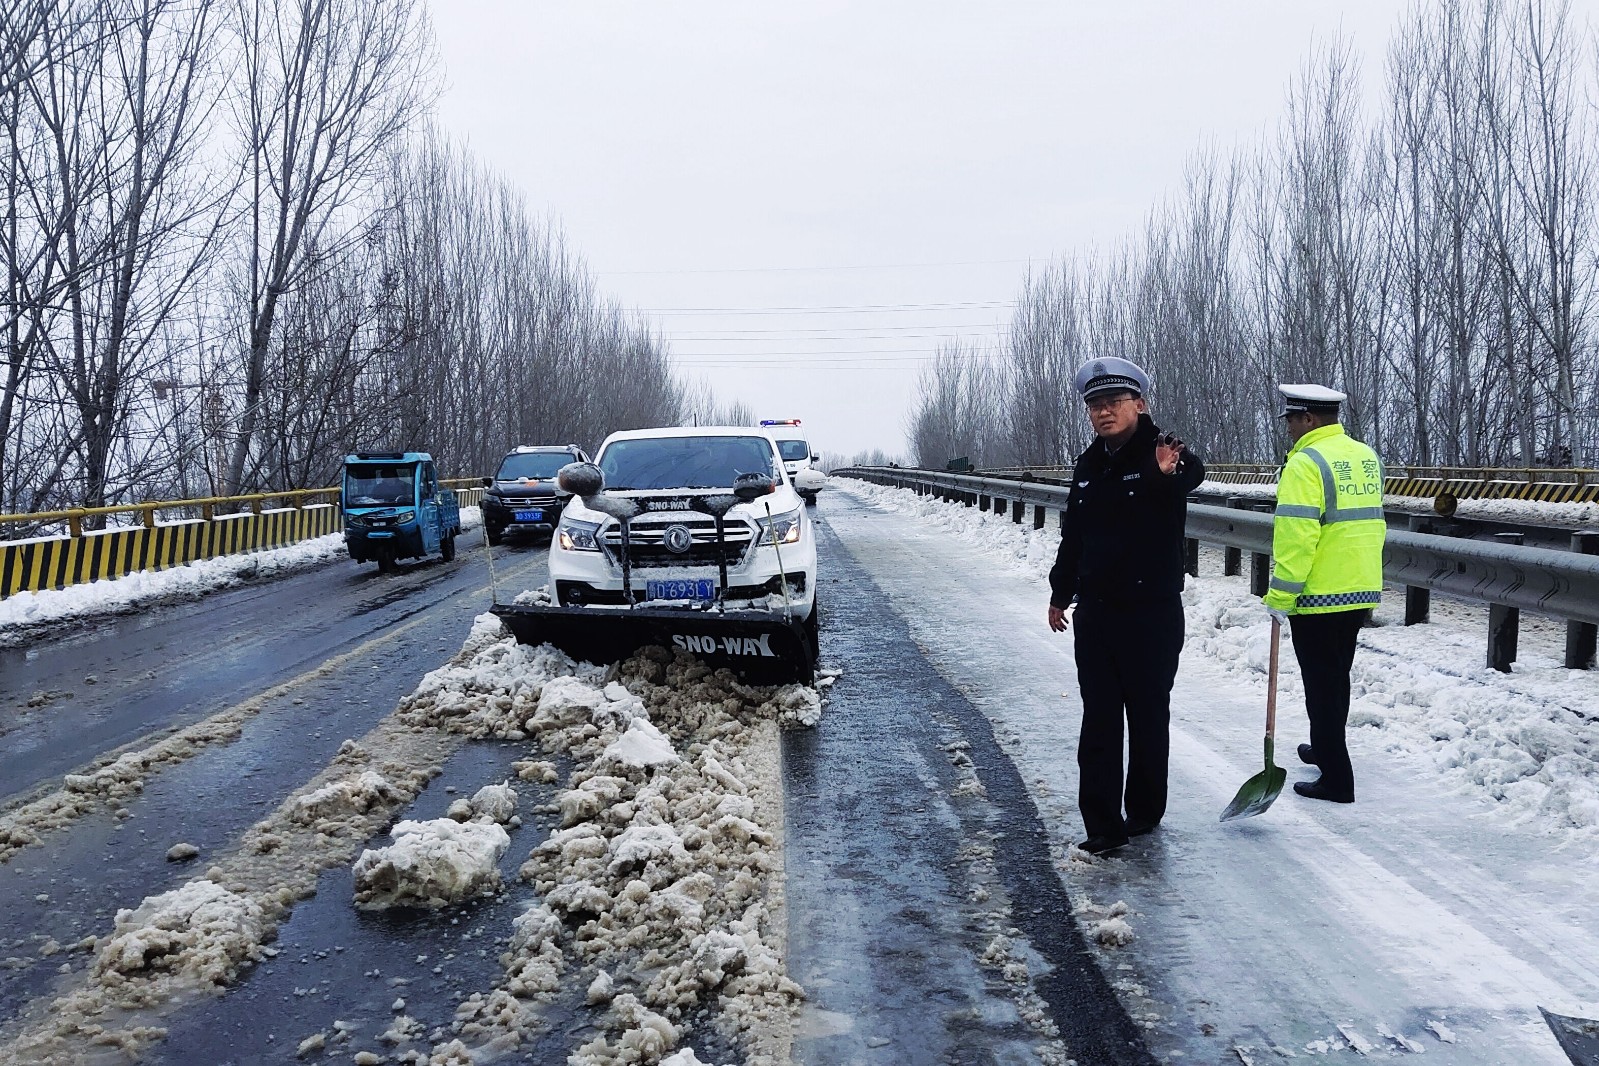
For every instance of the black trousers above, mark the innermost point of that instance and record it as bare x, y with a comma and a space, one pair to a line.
1126, 663
1324, 644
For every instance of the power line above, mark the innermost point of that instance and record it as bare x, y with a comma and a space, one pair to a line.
832, 309
824, 269
823, 329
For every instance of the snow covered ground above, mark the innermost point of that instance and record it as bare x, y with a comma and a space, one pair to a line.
1445, 901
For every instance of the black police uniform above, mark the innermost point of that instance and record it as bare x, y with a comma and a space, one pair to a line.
1121, 558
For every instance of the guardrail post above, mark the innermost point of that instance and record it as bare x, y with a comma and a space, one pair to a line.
982, 502
1582, 637
1418, 600
1017, 509
1232, 559
147, 512
1260, 562
1038, 516
75, 522
1504, 623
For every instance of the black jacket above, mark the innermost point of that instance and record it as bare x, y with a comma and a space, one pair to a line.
1122, 539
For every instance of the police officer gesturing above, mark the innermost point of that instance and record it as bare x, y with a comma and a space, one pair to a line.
1121, 561
1326, 546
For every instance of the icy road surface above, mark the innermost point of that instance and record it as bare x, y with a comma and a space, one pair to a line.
1422, 919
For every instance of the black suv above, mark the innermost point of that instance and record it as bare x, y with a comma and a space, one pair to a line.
522, 496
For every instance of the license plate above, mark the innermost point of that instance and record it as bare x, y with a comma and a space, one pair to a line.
530, 516
703, 589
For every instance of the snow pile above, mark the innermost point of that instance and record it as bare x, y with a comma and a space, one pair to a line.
655, 893
642, 745
120, 779
200, 929
431, 864
491, 803
358, 794
493, 687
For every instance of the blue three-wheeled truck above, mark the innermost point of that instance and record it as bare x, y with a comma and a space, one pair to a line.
394, 508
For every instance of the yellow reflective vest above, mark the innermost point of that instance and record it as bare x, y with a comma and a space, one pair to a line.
1328, 529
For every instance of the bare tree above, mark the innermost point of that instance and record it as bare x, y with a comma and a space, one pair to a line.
325, 87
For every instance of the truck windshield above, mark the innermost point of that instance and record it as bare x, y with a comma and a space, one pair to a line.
685, 462
532, 465
379, 485
794, 450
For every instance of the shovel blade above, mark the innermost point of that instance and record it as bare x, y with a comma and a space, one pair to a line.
1259, 791
1256, 794
1578, 1037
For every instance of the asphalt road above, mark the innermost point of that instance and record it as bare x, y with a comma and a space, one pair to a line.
900, 872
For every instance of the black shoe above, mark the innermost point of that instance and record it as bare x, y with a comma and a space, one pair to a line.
1100, 845
1307, 755
1317, 791
1141, 829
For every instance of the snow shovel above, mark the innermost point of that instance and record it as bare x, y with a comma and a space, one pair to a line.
1259, 791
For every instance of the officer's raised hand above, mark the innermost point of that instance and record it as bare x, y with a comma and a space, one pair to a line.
1168, 450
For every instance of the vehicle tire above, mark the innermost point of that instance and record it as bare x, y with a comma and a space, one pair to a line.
813, 633
494, 535
447, 548
810, 498
386, 563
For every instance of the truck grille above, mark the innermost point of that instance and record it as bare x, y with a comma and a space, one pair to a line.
647, 539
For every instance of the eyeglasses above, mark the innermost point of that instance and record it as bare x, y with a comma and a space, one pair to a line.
1108, 403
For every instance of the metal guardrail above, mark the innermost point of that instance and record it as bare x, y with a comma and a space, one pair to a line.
1560, 584
1551, 474
1444, 484
207, 506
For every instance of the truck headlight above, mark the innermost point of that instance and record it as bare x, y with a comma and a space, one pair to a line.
404, 517
785, 526
576, 536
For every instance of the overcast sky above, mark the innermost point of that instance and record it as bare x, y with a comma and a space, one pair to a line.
890, 166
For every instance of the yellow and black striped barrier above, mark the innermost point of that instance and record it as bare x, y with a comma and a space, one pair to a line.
54, 562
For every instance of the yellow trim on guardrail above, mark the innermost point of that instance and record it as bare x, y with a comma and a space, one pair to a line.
1459, 488
54, 562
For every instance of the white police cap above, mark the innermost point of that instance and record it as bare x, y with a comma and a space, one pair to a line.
1111, 374
1310, 399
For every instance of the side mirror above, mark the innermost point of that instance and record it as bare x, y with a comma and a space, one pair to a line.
580, 479
815, 458
488, 483
752, 486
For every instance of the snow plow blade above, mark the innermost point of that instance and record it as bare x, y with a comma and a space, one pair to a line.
758, 647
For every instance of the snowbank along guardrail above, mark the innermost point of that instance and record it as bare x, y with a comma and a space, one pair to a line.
1508, 576
55, 560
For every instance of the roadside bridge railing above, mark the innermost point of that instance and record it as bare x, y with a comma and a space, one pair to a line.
1540, 484
1508, 576
161, 534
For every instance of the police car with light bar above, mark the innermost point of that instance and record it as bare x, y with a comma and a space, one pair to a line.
800, 463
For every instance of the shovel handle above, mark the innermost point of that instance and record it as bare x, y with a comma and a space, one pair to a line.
1271, 680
